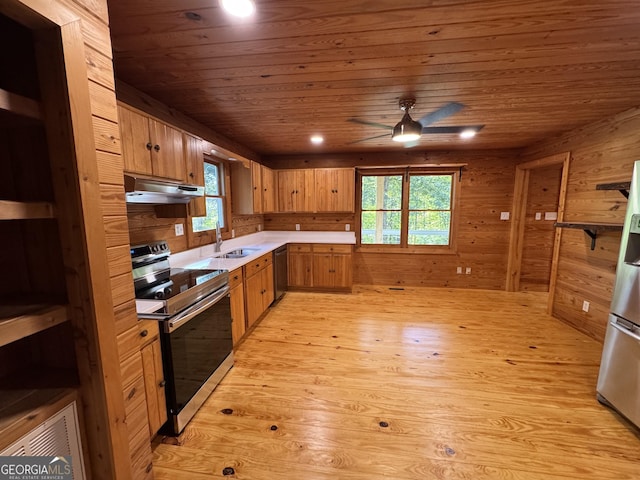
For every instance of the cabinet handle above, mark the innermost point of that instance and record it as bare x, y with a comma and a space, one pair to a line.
191, 174
156, 147
132, 393
149, 146
144, 333
162, 383
235, 277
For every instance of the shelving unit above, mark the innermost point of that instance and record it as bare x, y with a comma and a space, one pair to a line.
622, 187
20, 321
19, 105
591, 229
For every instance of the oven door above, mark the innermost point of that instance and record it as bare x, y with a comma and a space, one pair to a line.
196, 352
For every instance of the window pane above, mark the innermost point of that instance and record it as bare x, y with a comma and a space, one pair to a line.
382, 192
381, 228
214, 214
430, 192
211, 182
429, 228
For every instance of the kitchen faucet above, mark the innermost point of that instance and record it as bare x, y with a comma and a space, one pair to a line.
218, 238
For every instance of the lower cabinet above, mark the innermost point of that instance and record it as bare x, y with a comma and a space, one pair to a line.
258, 287
238, 323
153, 375
320, 266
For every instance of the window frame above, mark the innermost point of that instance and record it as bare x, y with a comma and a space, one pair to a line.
403, 246
205, 237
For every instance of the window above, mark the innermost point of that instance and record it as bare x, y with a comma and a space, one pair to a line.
214, 198
407, 209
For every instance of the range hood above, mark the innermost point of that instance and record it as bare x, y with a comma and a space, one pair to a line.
155, 191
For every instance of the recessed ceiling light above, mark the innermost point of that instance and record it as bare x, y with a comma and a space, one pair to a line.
317, 139
239, 8
469, 133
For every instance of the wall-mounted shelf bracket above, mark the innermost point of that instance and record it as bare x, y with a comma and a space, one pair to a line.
591, 229
622, 187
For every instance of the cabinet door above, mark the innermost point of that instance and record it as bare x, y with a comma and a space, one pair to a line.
268, 295
300, 266
334, 189
286, 190
341, 271
167, 159
305, 191
194, 172
324, 189
238, 326
256, 185
322, 270
268, 190
135, 140
154, 386
254, 298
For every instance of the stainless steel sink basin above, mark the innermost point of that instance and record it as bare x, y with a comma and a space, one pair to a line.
238, 253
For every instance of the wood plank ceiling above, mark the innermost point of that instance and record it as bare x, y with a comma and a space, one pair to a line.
526, 69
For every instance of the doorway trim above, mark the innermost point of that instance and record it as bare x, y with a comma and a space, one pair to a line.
519, 208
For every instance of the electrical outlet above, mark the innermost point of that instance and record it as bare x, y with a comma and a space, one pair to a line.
538, 216
179, 229
233, 233
347, 227
585, 306
259, 227
504, 215
459, 270
551, 216
297, 226
468, 271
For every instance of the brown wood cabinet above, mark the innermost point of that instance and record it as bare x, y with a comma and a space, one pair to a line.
300, 265
153, 374
268, 190
194, 173
335, 189
320, 266
296, 190
238, 321
150, 147
252, 189
258, 287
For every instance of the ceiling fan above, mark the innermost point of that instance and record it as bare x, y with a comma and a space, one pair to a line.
408, 131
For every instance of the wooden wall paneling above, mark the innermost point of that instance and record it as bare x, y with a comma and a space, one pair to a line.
539, 234
75, 176
247, 224
145, 226
110, 167
100, 68
125, 316
335, 222
107, 135
602, 152
103, 103
116, 230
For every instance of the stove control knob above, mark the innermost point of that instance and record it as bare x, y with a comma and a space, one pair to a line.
167, 292
159, 294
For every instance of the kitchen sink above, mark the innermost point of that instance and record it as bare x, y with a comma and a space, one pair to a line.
238, 253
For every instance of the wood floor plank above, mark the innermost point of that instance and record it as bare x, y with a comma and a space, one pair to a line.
471, 385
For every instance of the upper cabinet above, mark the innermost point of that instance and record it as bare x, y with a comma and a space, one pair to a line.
252, 188
150, 147
194, 173
296, 190
335, 189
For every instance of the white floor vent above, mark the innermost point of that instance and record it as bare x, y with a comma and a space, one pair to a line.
57, 436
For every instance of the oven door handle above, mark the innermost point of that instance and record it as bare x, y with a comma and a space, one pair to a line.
198, 308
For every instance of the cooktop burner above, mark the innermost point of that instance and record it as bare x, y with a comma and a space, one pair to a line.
175, 281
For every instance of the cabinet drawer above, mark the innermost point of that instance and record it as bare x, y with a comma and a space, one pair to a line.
328, 248
149, 331
300, 247
235, 277
258, 264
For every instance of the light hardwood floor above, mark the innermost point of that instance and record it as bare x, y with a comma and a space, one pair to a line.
413, 384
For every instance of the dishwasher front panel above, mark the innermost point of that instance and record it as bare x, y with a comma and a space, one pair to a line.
619, 378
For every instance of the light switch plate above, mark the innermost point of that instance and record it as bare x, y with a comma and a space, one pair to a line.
459, 270
585, 306
538, 216
467, 271
179, 229
297, 226
504, 215
551, 215
347, 227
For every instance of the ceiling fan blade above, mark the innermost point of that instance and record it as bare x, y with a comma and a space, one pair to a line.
371, 124
445, 130
443, 112
369, 138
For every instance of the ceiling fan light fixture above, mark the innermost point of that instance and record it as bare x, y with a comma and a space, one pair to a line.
406, 130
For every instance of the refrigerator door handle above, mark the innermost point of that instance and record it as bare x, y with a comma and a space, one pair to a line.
620, 326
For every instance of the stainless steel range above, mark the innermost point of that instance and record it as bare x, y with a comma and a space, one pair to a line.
195, 331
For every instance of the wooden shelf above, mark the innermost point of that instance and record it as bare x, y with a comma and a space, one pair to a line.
19, 105
10, 210
622, 187
591, 229
23, 410
19, 321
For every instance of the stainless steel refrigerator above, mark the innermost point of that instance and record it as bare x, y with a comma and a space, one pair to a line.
619, 378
